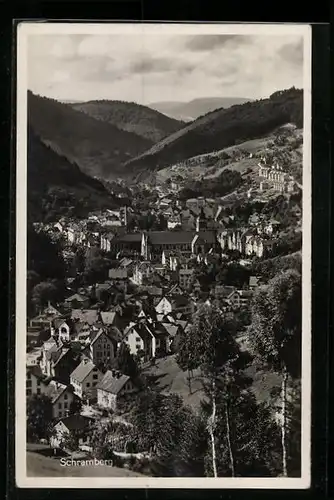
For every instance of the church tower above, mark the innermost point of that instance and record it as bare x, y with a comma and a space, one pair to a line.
200, 221
144, 246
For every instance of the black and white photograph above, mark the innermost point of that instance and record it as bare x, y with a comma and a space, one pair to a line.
163, 255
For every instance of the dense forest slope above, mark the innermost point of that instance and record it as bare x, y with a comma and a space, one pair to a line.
223, 128
131, 117
97, 147
189, 111
57, 187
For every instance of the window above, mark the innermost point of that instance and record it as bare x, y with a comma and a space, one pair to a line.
94, 384
65, 396
28, 383
38, 390
138, 339
95, 376
60, 414
88, 384
65, 405
59, 406
98, 354
28, 392
38, 382
28, 376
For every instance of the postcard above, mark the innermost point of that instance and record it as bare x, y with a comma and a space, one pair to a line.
163, 255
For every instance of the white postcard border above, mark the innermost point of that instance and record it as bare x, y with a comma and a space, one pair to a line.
25, 29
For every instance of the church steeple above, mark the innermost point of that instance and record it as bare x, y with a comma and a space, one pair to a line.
200, 221
144, 245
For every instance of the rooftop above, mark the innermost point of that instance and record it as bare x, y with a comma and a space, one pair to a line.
89, 316
76, 422
113, 382
83, 370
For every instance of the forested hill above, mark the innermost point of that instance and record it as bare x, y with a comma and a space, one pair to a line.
57, 187
97, 147
131, 117
222, 128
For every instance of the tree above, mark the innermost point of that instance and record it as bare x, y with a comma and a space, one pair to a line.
216, 353
185, 356
174, 436
39, 416
75, 406
96, 266
125, 361
275, 334
42, 293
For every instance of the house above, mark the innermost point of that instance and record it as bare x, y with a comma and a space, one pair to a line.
112, 387
118, 274
245, 297
253, 282
101, 347
84, 379
34, 337
147, 337
142, 273
186, 277
174, 331
174, 290
177, 303
127, 264
164, 306
76, 427
77, 301
90, 316
105, 241
58, 360
173, 221
61, 396
110, 318
34, 381
139, 338
61, 328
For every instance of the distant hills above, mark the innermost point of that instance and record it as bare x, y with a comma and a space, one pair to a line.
57, 187
131, 117
71, 146
222, 128
97, 147
189, 111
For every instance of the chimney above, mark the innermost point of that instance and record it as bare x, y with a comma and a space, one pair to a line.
113, 373
85, 361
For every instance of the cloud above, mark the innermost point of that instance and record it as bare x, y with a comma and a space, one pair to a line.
151, 65
292, 52
210, 42
154, 67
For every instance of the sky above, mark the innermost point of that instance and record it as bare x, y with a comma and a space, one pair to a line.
153, 68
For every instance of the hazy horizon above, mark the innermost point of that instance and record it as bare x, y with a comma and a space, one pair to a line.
77, 101
150, 68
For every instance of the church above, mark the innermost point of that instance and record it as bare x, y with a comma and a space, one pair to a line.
151, 244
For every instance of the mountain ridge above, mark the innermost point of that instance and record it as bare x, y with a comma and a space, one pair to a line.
131, 117
97, 147
58, 187
222, 128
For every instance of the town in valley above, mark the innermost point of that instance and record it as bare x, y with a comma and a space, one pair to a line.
164, 288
